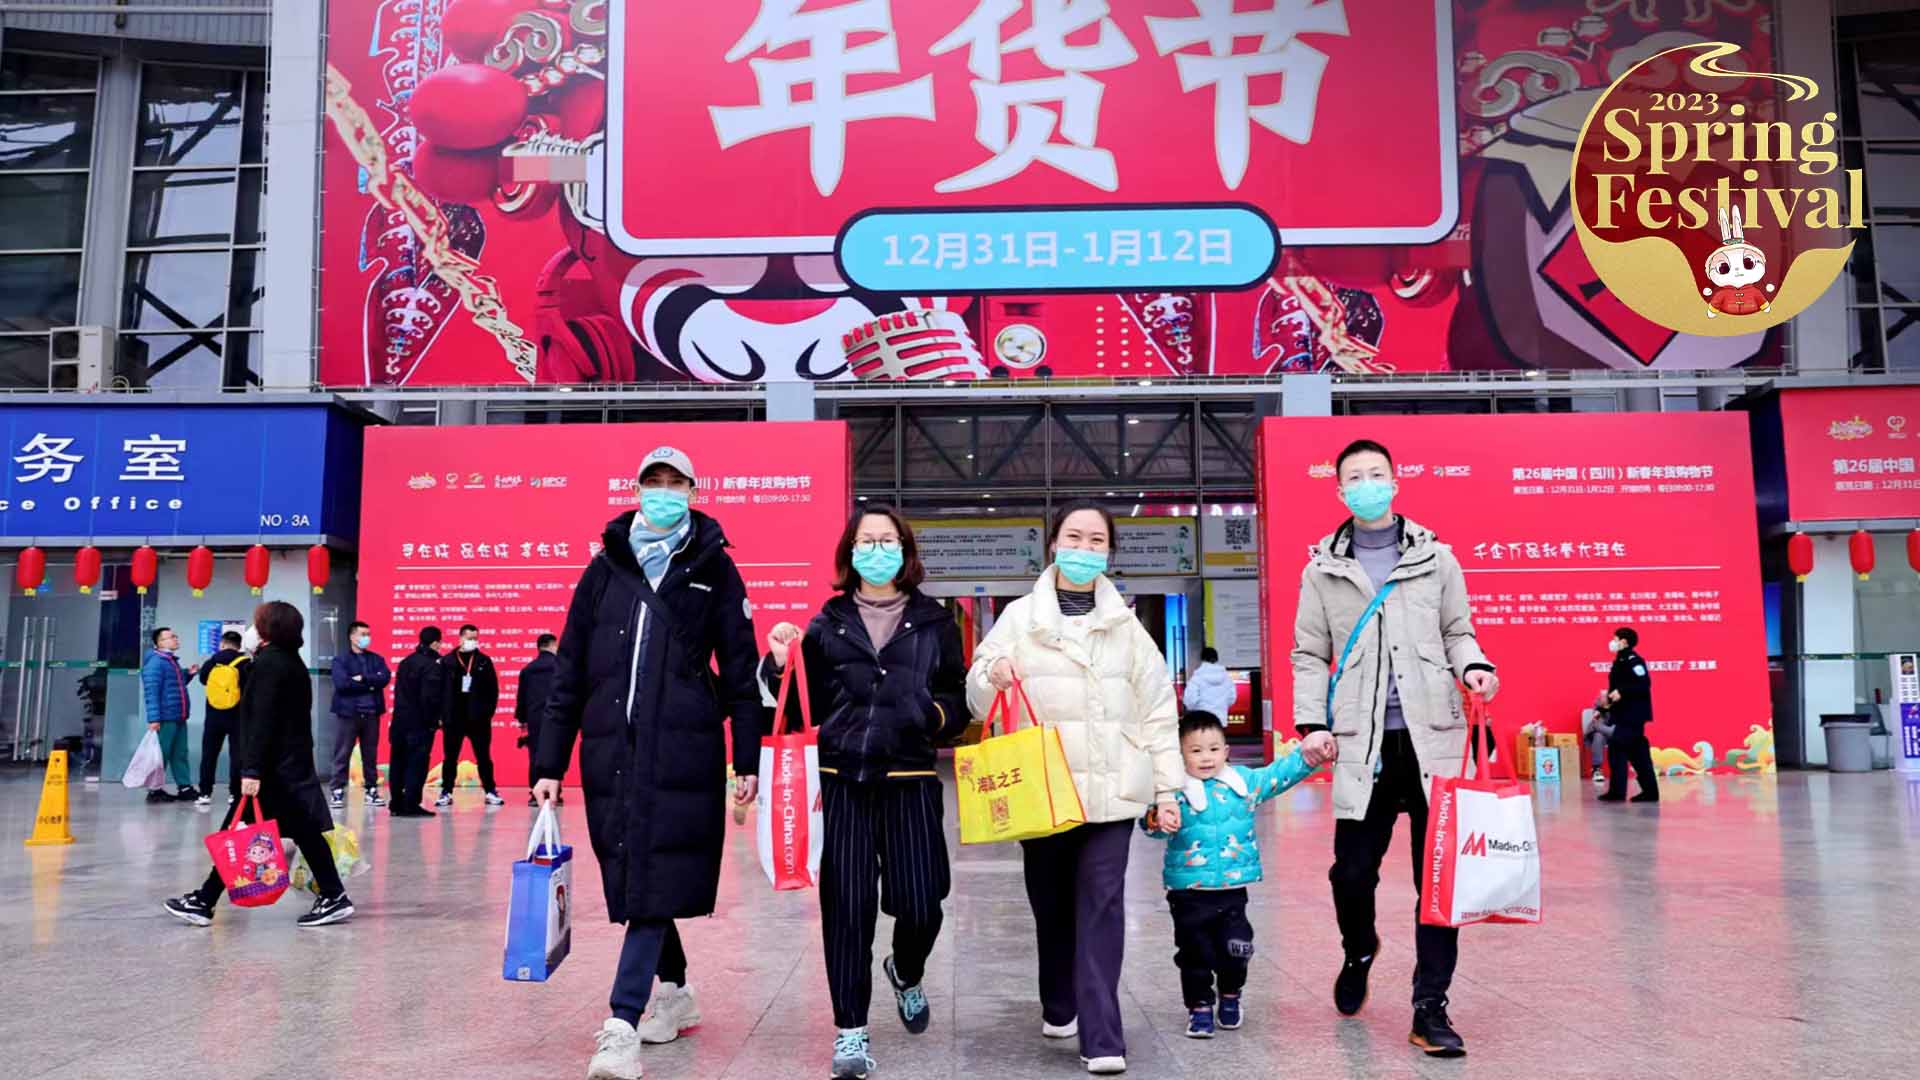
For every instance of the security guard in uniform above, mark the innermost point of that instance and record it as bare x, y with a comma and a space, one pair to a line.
1630, 694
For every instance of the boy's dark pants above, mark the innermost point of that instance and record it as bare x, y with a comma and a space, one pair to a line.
1212, 942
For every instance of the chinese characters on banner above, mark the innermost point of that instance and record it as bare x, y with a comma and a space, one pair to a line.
1560, 546
501, 546
1851, 453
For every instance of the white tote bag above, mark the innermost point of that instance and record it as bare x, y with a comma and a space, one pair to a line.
791, 829
1482, 857
148, 769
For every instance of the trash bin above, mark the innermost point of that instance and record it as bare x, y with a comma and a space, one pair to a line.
1849, 747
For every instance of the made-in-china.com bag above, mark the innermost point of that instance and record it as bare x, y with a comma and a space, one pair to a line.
540, 907
791, 828
1482, 859
1015, 786
249, 857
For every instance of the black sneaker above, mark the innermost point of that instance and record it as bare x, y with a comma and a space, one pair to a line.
910, 1000
531, 800
190, 909
1645, 797
338, 798
327, 912
158, 795
1433, 1032
374, 799
1350, 989
186, 794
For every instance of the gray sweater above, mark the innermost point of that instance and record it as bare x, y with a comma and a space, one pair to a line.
1378, 552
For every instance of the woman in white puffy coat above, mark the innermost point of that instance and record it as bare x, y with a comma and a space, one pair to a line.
1093, 673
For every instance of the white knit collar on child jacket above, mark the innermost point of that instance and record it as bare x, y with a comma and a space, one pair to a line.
1196, 788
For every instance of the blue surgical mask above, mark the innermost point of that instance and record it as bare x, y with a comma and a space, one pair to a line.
1078, 566
663, 507
878, 565
363, 641
1370, 500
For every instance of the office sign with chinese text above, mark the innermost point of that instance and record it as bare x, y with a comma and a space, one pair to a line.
156, 473
1028, 145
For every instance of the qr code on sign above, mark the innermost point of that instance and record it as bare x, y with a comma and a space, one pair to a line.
1238, 532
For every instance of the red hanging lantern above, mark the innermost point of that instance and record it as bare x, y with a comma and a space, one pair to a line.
146, 568
319, 567
259, 564
1913, 550
86, 569
1860, 551
1800, 555
200, 569
31, 571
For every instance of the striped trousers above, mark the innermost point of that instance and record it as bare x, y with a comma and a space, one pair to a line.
885, 850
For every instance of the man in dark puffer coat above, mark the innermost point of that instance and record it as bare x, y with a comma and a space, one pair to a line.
635, 681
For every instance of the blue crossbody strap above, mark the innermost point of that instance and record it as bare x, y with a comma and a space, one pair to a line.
1366, 616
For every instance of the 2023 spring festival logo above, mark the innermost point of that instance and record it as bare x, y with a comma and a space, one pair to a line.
1701, 205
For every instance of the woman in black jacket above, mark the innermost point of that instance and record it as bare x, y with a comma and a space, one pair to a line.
635, 683
886, 681
274, 763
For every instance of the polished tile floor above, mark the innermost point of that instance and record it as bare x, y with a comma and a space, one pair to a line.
1747, 927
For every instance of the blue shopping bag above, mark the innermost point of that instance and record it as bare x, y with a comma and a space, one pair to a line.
540, 909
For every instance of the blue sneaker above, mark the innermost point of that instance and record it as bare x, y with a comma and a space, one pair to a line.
1200, 1024
850, 1058
1228, 1013
911, 1000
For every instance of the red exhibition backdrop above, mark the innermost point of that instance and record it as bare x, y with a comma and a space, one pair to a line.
494, 525
1851, 453
1567, 527
1508, 288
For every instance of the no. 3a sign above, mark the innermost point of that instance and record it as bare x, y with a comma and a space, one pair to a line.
768, 126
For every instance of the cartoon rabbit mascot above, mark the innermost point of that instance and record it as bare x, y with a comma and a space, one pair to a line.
1735, 268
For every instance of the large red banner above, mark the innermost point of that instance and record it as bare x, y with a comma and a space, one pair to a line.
1566, 527
465, 216
843, 107
494, 525
1851, 453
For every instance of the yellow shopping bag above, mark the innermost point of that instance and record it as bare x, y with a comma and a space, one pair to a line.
1015, 786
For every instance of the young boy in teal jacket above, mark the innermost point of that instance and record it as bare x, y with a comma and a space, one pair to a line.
1210, 862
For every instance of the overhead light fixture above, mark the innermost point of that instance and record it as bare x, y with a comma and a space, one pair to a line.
1133, 421
1146, 382
961, 420
1111, 494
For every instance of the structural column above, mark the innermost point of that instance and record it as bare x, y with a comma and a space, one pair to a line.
295, 124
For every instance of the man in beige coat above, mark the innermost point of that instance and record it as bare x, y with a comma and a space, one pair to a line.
1386, 595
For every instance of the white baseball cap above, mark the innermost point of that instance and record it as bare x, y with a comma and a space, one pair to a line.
670, 456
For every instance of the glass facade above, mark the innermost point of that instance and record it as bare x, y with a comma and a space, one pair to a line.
196, 241
1879, 65
160, 168
47, 106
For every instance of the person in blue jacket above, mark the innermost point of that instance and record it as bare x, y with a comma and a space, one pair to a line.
163, 686
1210, 861
360, 678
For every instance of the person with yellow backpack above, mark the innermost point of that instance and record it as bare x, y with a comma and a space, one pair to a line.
225, 677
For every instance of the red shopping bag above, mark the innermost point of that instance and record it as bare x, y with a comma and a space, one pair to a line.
250, 858
1482, 859
791, 831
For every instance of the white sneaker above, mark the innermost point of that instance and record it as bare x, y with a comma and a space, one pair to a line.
494, 799
445, 799
672, 1011
1068, 1030
618, 1055
1106, 1066
202, 802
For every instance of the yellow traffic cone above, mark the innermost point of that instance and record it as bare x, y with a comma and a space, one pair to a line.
52, 825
